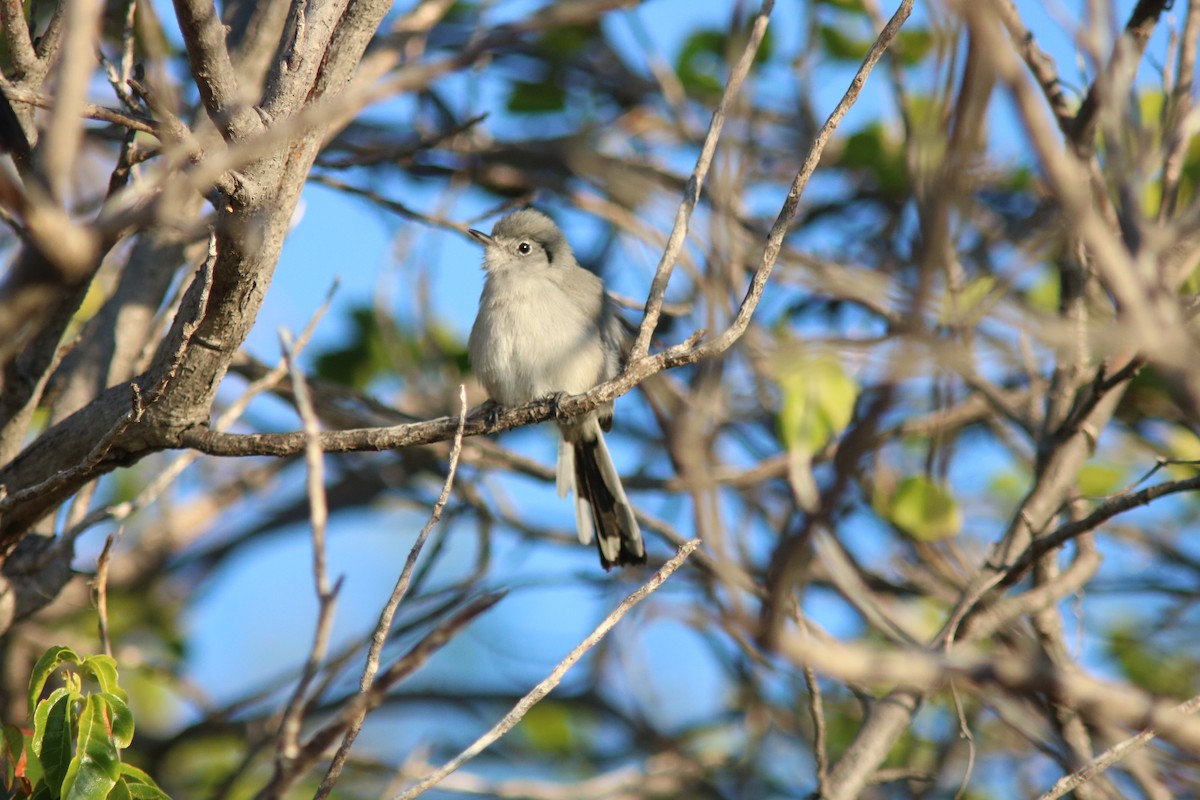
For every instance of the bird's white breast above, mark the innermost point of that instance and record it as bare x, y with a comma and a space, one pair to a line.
532, 340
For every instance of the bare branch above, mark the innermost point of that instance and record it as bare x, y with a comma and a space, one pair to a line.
289, 727
1111, 756
691, 194
921, 670
100, 585
16, 32
1180, 108
204, 36
380, 636
544, 688
127, 119
1141, 23
782, 222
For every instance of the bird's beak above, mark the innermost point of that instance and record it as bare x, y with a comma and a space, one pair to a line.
480, 237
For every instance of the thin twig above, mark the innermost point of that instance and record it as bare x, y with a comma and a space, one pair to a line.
384, 627
100, 583
1126, 51
1178, 140
544, 688
1105, 512
816, 708
289, 729
135, 122
788, 212
128, 39
964, 731
409, 663
118, 74
1112, 755
691, 194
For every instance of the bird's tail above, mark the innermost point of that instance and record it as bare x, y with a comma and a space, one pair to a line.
601, 508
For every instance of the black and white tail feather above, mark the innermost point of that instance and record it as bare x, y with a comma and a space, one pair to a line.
602, 511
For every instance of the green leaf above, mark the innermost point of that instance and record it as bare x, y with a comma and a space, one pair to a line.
1100, 480
41, 716
971, 302
1180, 444
566, 42
841, 47
103, 670
854, 6
141, 791
818, 401
120, 791
134, 775
1150, 105
24, 762
14, 753
873, 151
33, 767
140, 785
702, 61
1046, 292
547, 726
924, 510
817, 405
913, 45
53, 746
1169, 672
536, 97
50, 661
97, 764
121, 716
363, 357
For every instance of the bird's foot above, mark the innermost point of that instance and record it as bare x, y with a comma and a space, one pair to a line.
490, 411
556, 405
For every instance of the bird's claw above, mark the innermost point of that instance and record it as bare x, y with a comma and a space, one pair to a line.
490, 411
556, 405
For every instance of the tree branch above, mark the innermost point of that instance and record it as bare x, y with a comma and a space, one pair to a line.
691, 194
555, 677
380, 636
213, 70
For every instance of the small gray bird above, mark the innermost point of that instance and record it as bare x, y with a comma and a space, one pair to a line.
546, 326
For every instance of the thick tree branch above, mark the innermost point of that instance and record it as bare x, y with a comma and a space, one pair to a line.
1127, 52
204, 37
16, 33
923, 671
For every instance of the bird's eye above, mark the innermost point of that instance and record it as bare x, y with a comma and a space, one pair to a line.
524, 248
